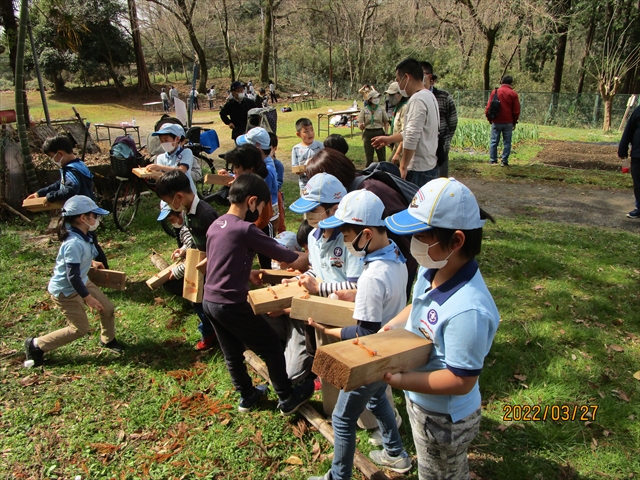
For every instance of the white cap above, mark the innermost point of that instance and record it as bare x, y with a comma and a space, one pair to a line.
360, 207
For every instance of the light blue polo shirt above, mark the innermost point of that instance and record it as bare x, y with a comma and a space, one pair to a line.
461, 318
329, 258
182, 156
77, 248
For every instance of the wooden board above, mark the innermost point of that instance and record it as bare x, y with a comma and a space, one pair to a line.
193, 288
101, 277
327, 311
274, 277
212, 179
143, 173
299, 169
274, 298
38, 204
348, 366
162, 276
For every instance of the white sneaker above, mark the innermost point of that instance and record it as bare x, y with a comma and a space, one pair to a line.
400, 464
375, 436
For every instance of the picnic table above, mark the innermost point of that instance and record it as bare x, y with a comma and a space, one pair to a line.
153, 107
123, 126
352, 113
300, 101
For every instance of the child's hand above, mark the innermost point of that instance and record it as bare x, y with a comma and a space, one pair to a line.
223, 172
279, 313
302, 263
317, 326
393, 379
347, 295
152, 167
92, 303
97, 265
255, 277
202, 267
33, 195
310, 283
178, 253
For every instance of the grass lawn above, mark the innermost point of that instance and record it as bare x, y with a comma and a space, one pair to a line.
569, 335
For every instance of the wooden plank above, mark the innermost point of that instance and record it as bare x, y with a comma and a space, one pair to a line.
274, 298
162, 276
101, 277
299, 169
212, 179
143, 173
327, 311
360, 461
193, 289
38, 204
274, 277
348, 366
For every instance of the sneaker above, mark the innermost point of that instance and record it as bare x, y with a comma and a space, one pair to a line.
114, 346
504, 164
247, 404
493, 163
301, 393
33, 353
400, 464
634, 213
326, 476
206, 343
375, 437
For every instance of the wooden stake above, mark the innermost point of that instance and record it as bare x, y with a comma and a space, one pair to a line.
327, 311
193, 289
159, 262
213, 179
274, 277
144, 173
101, 277
39, 204
274, 298
162, 276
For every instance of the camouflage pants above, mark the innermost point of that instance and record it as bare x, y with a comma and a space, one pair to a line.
441, 444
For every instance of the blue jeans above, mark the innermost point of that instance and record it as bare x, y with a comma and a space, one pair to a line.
506, 129
345, 417
420, 178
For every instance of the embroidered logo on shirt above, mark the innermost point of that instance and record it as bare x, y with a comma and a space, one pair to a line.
432, 317
337, 252
222, 224
336, 262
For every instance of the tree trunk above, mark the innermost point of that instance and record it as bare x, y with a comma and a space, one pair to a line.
606, 124
491, 35
186, 17
224, 28
588, 41
561, 48
266, 41
144, 84
10, 24
22, 112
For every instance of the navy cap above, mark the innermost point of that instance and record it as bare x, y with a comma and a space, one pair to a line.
236, 85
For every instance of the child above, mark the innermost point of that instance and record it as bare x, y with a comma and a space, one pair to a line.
176, 278
337, 142
211, 95
231, 245
452, 306
174, 188
165, 101
175, 156
75, 179
70, 286
306, 149
302, 236
381, 296
280, 177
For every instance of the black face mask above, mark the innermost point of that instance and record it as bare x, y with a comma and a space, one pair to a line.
252, 216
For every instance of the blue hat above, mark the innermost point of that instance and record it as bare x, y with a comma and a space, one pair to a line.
360, 207
288, 240
443, 203
322, 188
165, 212
79, 204
169, 129
257, 136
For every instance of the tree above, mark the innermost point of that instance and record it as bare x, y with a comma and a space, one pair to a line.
144, 84
222, 15
560, 11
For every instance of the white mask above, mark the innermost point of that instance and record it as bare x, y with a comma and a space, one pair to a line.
95, 226
176, 225
375, 101
58, 163
420, 252
359, 253
168, 147
240, 96
403, 92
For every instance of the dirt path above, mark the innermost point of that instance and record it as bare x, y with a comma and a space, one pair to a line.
566, 203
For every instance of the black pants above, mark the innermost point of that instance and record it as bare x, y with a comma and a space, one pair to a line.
635, 175
367, 135
274, 98
265, 262
239, 329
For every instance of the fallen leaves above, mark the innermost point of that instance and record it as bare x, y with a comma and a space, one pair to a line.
637, 375
183, 375
293, 460
616, 348
522, 378
196, 405
621, 395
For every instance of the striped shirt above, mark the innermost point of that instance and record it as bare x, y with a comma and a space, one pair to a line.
448, 115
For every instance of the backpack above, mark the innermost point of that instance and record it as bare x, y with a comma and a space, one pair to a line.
389, 174
494, 106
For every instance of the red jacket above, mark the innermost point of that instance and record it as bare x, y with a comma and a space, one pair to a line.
509, 105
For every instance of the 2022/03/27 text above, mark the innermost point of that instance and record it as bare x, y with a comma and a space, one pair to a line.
542, 413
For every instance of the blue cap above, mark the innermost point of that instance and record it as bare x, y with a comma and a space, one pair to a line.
169, 129
443, 203
360, 207
165, 211
322, 188
288, 240
79, 204
257, 136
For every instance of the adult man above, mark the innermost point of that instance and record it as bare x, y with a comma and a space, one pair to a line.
448, 115
234, 112
173, 94
398, 102
505, 122
631, 136
418, 164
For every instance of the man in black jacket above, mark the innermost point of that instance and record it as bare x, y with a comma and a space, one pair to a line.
631, 136
234, 112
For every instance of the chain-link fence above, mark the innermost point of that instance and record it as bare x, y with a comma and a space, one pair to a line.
561, 109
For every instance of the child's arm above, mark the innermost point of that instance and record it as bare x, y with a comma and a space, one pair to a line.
64, 192
438, 382
399, 321
75, 279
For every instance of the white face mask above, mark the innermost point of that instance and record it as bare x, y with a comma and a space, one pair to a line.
375, 101
403, 92
353, 250
420, 252
240, 96
58, 163
168, 147
95, 226
181, 208
176, 225
313, 218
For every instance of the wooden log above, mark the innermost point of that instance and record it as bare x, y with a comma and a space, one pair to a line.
39, 204
348, 366
193, 288
337, 313
274, 277
161, 277
159, 262
101, 277
274, 298
144, 173
213, 179
360, 461
299, 169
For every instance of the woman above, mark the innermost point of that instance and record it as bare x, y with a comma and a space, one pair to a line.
373, 121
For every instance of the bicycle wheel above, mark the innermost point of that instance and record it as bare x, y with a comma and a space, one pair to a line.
126, 203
